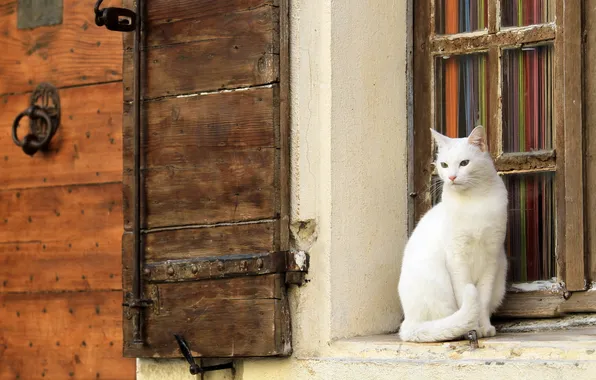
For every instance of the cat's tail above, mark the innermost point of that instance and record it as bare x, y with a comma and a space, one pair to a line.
448, 328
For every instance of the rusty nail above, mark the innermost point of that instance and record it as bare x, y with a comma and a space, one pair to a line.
243, 265
220, 265
170, 271
260, 263
147, 271
194, 269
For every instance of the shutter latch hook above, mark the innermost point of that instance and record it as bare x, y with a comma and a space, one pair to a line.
198, 368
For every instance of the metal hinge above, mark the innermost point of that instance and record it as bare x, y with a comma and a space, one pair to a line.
297, 264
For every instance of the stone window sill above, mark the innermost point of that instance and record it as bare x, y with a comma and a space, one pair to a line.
570, 344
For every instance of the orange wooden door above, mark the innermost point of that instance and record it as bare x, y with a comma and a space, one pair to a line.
61, 211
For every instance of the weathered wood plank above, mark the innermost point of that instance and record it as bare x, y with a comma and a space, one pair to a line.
86, 149
169, 22
62, 336
233, 43
76, 52
570, 61
421, 156
204, 66
590, 136
179, 129
530, 161
546, 304
187, 21
62, 214
77, 264
480, 41
231, 317
223, 186
283, 114
207, 242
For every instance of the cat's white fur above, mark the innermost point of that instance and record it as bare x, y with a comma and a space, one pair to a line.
454, 267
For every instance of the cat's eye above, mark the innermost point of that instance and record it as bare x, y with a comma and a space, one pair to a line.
444, 164
464, 162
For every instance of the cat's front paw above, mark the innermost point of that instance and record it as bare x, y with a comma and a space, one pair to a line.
488, 331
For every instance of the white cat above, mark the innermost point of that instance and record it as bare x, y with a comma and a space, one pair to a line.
454, 267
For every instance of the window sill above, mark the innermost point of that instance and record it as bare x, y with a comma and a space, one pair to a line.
572, 344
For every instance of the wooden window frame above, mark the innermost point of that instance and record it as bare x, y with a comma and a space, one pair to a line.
566, 159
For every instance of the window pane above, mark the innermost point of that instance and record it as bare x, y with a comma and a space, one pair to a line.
527, 99
530, 242
526, 12
458, 16
461, 94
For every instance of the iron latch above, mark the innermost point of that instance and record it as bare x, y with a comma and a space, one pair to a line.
116, 19
195, 368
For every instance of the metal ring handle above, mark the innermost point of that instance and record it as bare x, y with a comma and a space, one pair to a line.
33, 112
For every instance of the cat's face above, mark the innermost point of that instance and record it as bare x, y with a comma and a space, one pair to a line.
463, 163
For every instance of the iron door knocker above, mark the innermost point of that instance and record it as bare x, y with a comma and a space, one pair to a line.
44, 119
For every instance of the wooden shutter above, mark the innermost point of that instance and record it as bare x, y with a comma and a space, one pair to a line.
214, 174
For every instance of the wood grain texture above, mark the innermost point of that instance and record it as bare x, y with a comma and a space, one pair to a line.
208, 242
179, 129
589, 106
74, 53
545, 304
218, 318
209, 158
205, 46
204, 66
224, 186
61, 214
60, 238
468, 43
422, 152
284, 128
571, 76
62, 265
86, 149
62, 336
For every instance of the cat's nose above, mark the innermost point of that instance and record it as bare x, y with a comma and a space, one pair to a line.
452, 178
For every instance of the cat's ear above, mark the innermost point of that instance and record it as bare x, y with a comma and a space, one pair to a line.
440, 140
478, 138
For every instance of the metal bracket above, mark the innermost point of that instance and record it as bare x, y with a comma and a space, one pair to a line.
297, 264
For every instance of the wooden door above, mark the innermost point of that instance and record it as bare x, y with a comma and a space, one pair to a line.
61, 211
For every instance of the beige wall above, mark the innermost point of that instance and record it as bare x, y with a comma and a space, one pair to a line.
349, 164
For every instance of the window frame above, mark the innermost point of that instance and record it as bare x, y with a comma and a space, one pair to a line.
566, 159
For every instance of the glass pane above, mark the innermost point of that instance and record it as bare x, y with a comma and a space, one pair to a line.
527, 99
526, 12
458, 16
530, 242
461, 94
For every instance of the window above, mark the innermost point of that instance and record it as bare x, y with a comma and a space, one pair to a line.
514, 67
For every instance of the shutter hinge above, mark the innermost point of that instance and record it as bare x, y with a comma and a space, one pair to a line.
297, 264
